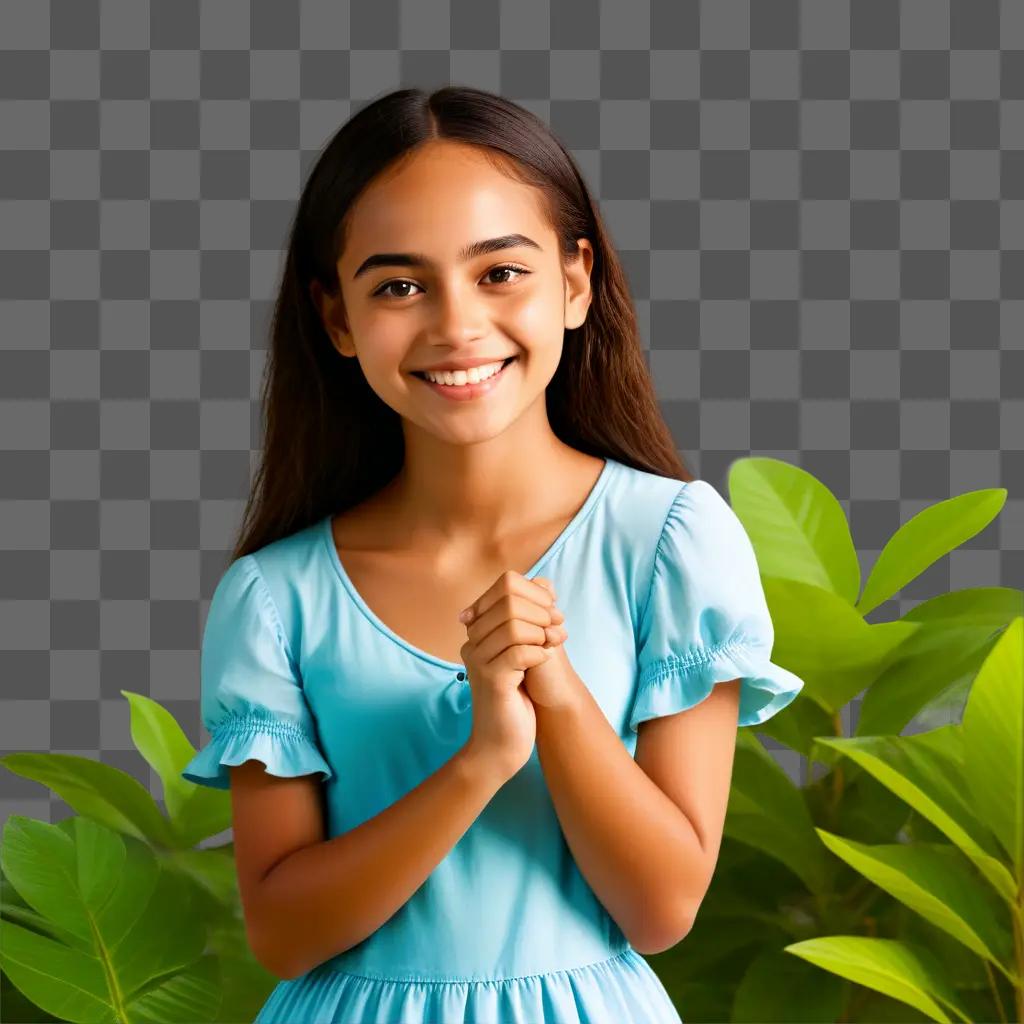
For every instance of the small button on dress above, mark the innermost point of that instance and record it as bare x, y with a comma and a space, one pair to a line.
662, 599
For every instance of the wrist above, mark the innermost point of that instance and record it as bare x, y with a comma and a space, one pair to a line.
568, 706
481, 766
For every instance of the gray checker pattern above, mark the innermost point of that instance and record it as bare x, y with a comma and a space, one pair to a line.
820, 207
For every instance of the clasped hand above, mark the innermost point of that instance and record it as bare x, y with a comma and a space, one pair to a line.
513, 596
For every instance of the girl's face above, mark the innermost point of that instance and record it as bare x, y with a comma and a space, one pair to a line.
411, 299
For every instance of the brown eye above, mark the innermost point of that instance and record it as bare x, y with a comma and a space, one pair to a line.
383, 289
519, 271
383, 292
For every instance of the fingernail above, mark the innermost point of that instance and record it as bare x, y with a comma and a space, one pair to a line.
465, 615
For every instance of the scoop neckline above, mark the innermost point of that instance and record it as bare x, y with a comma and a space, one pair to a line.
375, 620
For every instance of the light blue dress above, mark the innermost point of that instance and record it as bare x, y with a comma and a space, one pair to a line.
662, 598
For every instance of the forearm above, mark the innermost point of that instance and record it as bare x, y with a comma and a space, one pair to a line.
635, 847
325, 898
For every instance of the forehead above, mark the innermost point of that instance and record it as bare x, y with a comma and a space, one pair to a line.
437, 200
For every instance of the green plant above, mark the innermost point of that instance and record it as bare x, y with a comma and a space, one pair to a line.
114, 914
889, 887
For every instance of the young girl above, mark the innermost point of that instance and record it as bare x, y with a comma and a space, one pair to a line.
439, 818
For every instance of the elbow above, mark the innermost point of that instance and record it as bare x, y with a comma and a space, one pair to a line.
652, 941
657, 932
277, 966
283, 964
269, 953
267, 957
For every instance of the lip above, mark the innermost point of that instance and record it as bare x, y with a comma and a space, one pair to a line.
468, 391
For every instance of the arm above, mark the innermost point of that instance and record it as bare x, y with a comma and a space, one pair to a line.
647, 845
327, 896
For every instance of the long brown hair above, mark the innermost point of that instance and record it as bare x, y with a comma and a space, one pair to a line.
329, 440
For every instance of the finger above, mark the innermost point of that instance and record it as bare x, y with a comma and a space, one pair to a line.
508, 607
508, 583
556, 635
511, 633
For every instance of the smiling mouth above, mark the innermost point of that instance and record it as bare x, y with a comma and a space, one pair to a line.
423, 376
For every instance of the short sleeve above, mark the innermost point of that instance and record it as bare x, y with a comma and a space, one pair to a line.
706, 618
251, 700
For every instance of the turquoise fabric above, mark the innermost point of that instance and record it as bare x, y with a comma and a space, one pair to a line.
659, 586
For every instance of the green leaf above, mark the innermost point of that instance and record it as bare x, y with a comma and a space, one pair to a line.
761, 796
993, 733
133, 945
97, 790
990, 607
897, 969
194, 993
926, 771
197, 812
797, 526
934, 669
822, 639
167, 749
777, 987
804, 719
867, 811
213, 869
937, 882
925, 538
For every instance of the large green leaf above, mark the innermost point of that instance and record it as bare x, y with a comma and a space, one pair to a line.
197, 812
821, 638
761, 798
17, 1007
925, 538
991, 607
926, 771
937, 882
99, 791
993, 733
938, 663
897, 969
797, 526
167, 749
133, 947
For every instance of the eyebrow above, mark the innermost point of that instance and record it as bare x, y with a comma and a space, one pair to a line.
469, 252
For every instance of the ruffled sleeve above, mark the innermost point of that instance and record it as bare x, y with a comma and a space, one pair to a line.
251, 700
706, 619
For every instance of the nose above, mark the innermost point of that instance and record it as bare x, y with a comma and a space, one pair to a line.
459, 313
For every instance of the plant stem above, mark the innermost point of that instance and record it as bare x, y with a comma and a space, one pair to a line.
837, 773
995, 991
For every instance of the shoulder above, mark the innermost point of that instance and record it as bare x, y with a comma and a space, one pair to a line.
658, 518
644, 503
638, 507
289, 575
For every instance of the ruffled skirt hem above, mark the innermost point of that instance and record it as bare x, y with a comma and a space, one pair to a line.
623, 988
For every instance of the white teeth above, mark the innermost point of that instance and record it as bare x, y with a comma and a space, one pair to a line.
461, 377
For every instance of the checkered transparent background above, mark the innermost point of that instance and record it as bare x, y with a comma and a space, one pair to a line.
820, 207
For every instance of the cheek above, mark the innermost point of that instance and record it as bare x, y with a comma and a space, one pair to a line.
537, 320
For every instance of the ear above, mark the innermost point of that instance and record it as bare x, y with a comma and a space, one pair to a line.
577, 285
332, 314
